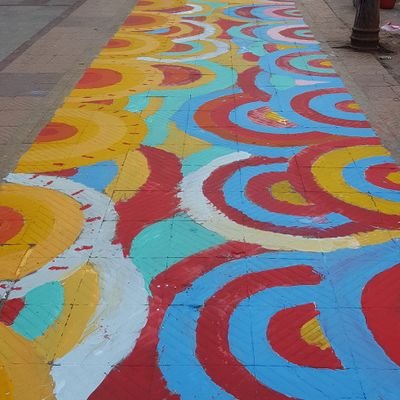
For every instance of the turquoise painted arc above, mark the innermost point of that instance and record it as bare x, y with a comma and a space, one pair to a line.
38, 314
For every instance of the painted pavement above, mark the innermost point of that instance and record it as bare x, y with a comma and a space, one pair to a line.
209, 215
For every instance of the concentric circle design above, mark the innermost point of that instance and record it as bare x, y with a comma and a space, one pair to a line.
215, 350
106, 80
83, 135
147, 21
349, 106
250, 122
320, 107
346, 186
56, 131
11, 223
95, 78
384, 176
232, 306
106, 317
288, 13
269, 200
27, 243
273, 210
255, 318
307, 63
124, 46
254, 120
296, 33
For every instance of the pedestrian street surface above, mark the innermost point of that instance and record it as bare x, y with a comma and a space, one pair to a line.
209, 215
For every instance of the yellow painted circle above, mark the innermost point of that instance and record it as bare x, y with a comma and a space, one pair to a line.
102, 134
52, 223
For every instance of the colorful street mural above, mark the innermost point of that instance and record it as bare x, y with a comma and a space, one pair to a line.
209, 215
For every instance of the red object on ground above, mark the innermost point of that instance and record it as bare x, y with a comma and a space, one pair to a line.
387, 4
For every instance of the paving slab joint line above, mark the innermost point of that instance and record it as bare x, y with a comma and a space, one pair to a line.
47, 28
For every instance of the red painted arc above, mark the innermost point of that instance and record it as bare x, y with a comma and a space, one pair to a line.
178, 75
301, 105
291, 33
300, 166
139, 371
195, 30
308, 156
10, 310
11, 223
285, 12
66, 173
246, 12
381, 306
319, 63
173, 30
312, 209
257, 191
118, 43
95, 78
284, 336
249, 31
284, 63
218, 121
137, 20
378, 175
214, 116
56, 131
248, 56
271, 47
213, 351
225, 25
247, 82
345, 106
156, 200
181, 48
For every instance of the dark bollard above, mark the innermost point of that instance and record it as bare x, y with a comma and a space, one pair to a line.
365, 34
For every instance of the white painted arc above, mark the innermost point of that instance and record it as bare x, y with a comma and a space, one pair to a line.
209, 30
195, 203
122, 311
195, 9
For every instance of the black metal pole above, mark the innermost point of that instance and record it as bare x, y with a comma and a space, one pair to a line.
365, 34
